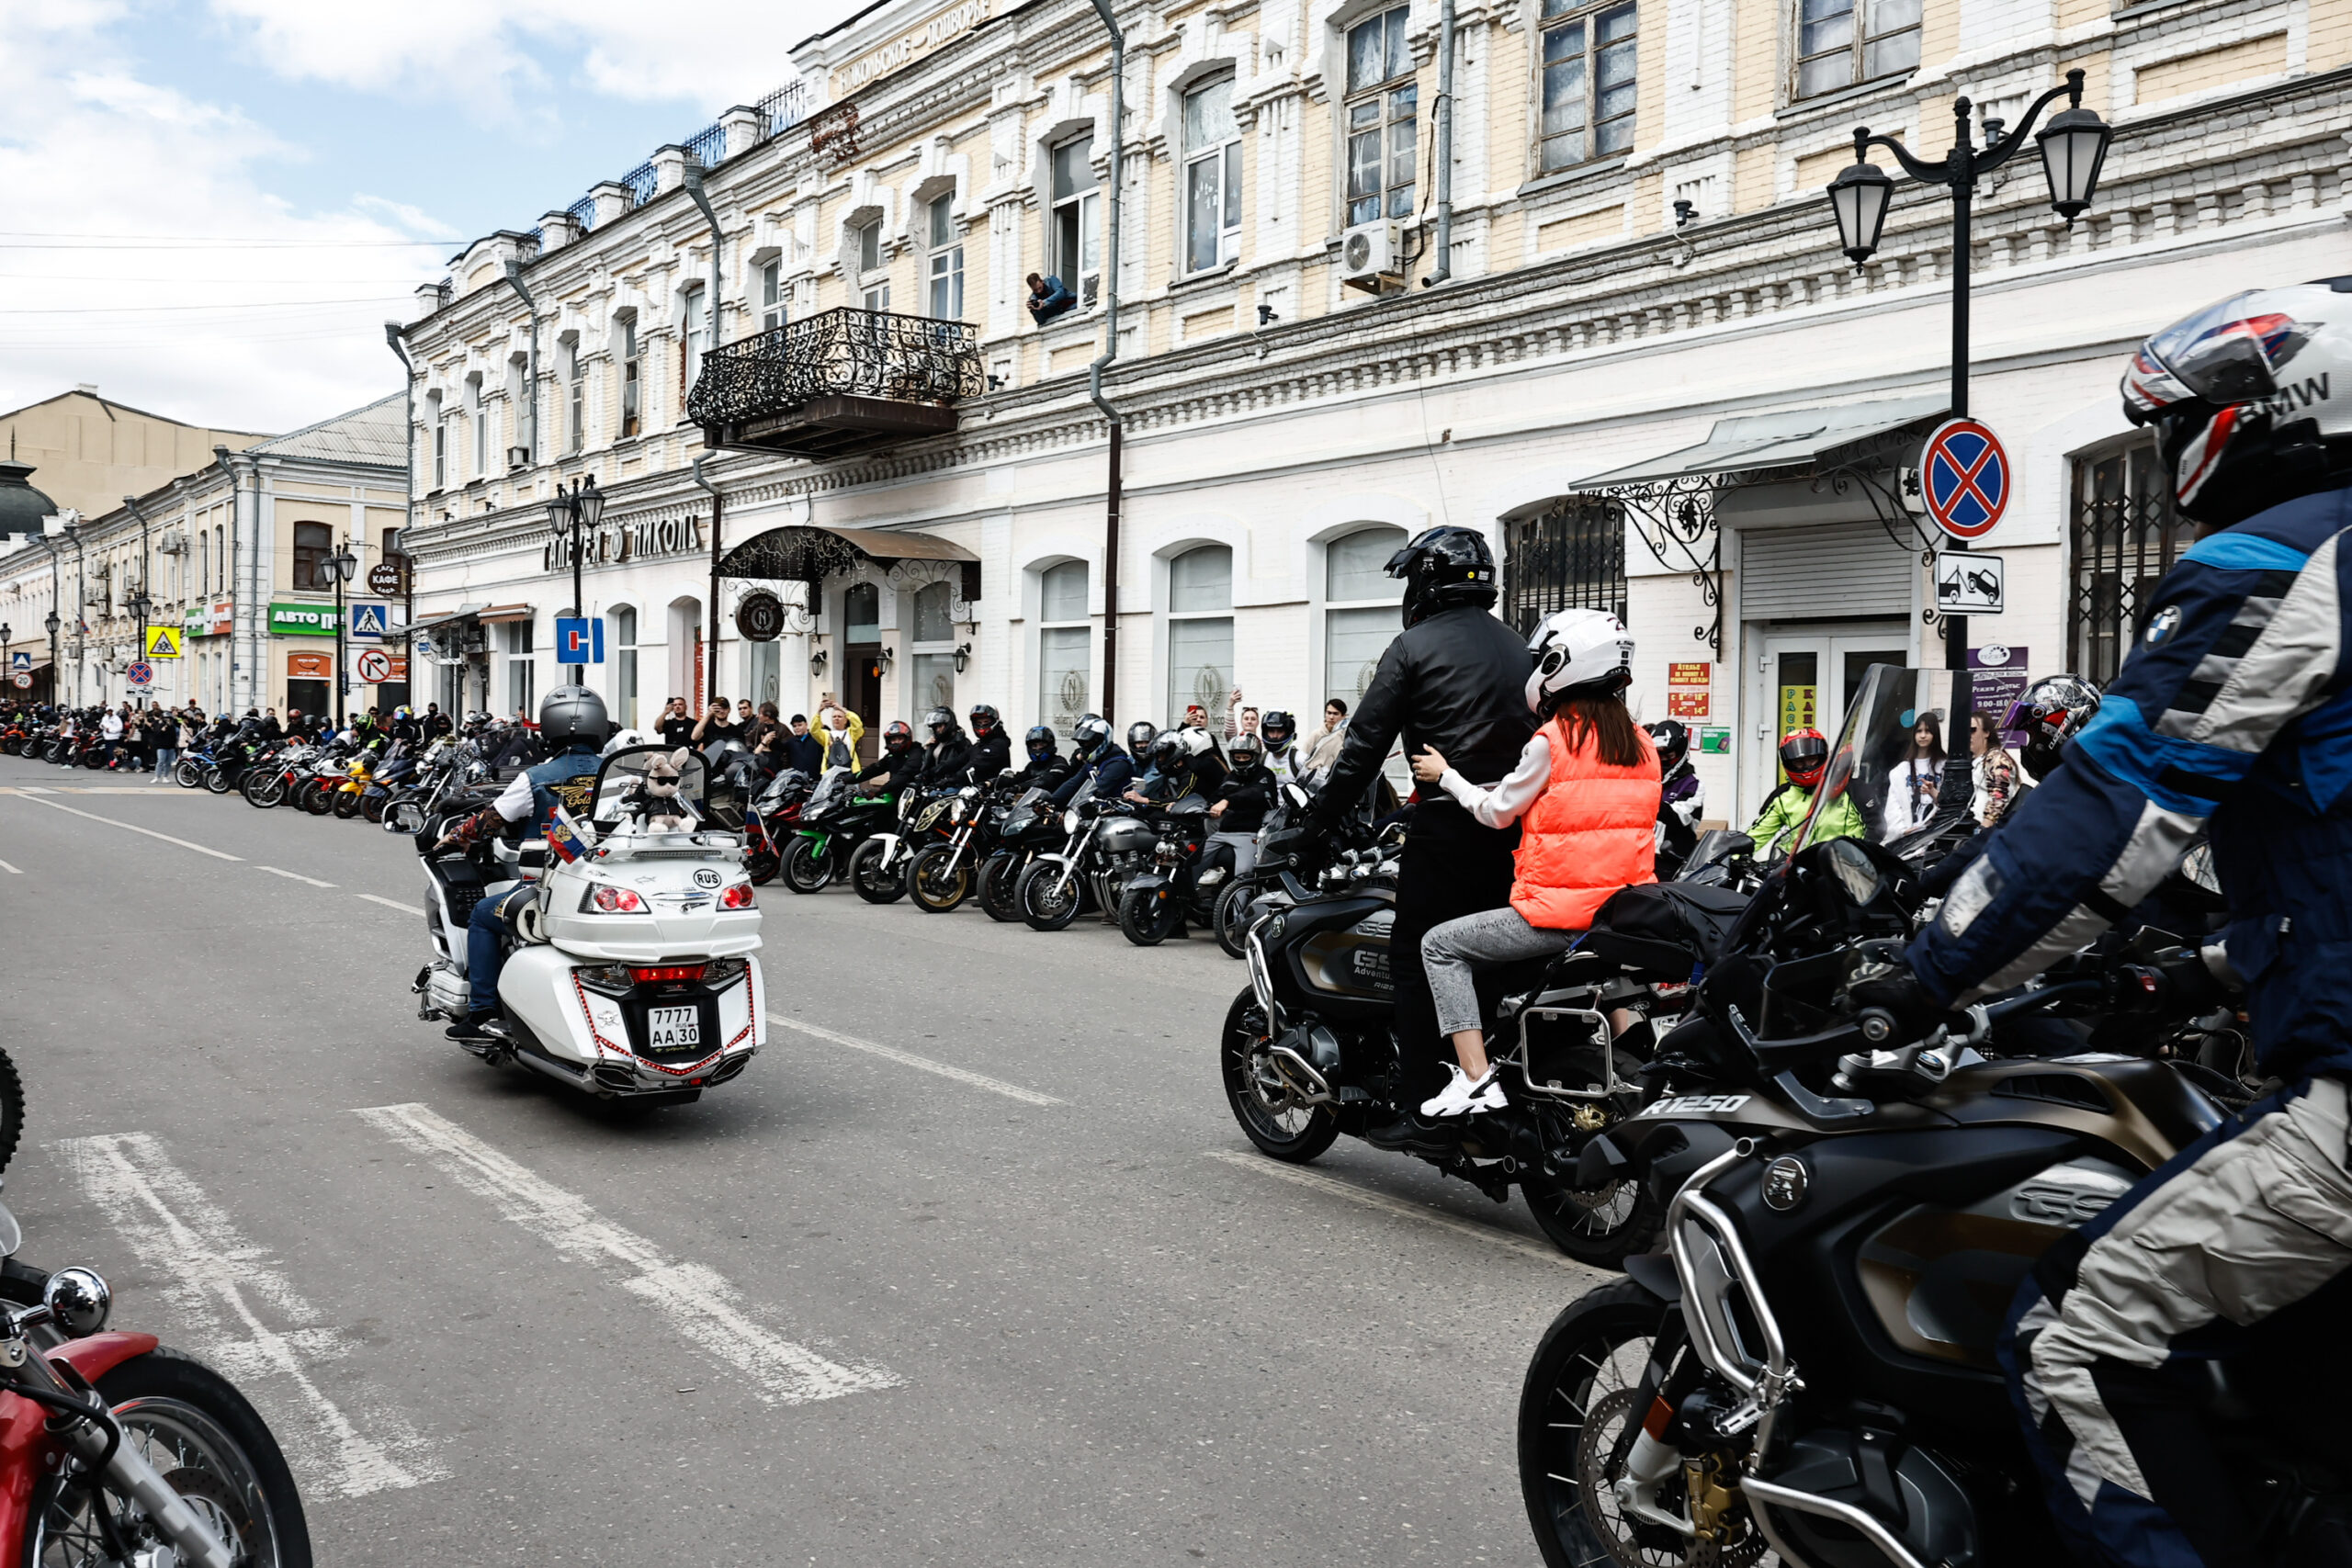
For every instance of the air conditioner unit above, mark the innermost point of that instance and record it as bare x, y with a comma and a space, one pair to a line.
518, 458
171, 544
1371, 255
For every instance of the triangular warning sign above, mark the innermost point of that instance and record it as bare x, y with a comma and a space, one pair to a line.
162, 642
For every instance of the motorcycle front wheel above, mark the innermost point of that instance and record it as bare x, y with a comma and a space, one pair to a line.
216, 780
1000, 886
875, 881
189, 774
317, 797
1231, 917
346, 805
1260, 1100
807, 868
1046, 906
263, 791
762, 866
371, 807
939, 878
198, 1431
1149, 915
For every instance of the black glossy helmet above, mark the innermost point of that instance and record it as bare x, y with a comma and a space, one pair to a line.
1167, 752
1042, 740
1673, 743
1141, 736
1246, 750
1278, 728
571, 714
941, 722
1089, 734
2052, 713
1443, 567
984, 718
898, 735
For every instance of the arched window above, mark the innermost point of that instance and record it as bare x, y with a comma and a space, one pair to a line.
1064, 687
1362, 609
314, 542
1199, 630
934, 653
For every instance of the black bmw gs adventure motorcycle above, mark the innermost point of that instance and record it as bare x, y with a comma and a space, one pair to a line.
1308, 1052
1808, 1366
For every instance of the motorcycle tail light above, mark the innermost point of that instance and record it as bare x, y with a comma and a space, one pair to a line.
613, 901
721, 973
738, 897
614, 979
669, 972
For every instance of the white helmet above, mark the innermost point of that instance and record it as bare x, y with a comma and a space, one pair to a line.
1579, 647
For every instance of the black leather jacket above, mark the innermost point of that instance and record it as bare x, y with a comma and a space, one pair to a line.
991, 754
1457, 682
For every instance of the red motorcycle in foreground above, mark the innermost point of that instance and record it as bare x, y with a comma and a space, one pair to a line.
116, 1450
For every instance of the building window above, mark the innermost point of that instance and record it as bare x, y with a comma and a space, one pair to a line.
518, 408
221, 558
1382, 105
934, 648
314, 542
1363, 610
520, 671
625, 666
947, 262
1587, 83
575, 396
2124, 535
1199, 630
1571, 556
632, 378
1840, 42
1212, 178
203, 561
440, 424
695, 324
772, 296
1076, 257
1064, 682
869, 248
478, 417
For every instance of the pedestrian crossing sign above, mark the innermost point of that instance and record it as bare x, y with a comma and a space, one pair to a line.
368, 620
162, 642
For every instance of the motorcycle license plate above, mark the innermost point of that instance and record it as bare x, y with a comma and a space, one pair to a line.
666, 1029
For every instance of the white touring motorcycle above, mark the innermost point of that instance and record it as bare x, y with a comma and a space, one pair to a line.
634, 973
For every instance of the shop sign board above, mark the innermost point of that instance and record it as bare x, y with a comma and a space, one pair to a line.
302, 620
309, 666
1714, 741
1685, 705
896, 54
387, 579
642, 538
1996, 680
760, 617
1695, 672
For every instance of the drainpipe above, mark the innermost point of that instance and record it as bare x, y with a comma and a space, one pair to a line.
1444, 147
81, 610
408, 508
711, 652
514, 279
1111, 488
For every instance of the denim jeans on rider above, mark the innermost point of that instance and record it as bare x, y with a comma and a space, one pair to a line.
166, 758
486, 931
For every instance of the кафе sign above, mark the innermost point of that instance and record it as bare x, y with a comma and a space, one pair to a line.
640, 539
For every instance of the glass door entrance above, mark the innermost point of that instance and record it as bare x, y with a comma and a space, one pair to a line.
1803, 681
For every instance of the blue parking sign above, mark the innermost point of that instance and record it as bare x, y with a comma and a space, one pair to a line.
579, 641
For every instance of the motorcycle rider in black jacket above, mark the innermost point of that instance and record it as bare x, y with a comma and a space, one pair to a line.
1455, 679
901, 761
1045, 769
949, 756
1097, 758
991, 748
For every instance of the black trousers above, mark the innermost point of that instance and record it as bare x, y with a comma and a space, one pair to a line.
1450, 867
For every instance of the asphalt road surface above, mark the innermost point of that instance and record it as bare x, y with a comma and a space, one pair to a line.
971, 1267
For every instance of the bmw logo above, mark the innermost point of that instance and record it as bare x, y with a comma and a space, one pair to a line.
706, 877
2162, 624
1785, 1180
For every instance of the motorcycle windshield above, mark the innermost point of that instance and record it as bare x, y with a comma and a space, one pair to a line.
1886, 761
831, 790
658, 769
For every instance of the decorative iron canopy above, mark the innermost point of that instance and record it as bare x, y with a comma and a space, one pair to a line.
802, 552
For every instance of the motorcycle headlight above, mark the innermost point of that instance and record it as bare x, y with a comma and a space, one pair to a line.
1070, 821
955, 812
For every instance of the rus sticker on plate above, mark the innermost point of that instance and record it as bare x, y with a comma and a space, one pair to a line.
668, 1027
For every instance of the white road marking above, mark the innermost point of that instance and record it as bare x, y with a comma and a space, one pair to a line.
222, 1283
1263, 1165
130, 826
699, 1303
296, 876
908, 1059
387, 903
10, 869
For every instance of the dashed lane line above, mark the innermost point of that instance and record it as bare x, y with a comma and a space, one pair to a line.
247, 1317
387, 903
1315, 1181
296, 876
10, 869
698, 1301
129, 827
908, 1059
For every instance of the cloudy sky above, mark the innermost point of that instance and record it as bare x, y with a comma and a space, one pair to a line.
214, 205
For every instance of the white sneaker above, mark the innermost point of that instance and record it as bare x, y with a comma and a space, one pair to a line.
1453, 1099
1486, 1093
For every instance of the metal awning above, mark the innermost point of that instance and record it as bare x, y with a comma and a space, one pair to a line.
1791, 438
802, 552
504, 613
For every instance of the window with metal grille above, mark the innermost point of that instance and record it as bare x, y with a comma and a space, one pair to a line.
1570, 556
2123, 537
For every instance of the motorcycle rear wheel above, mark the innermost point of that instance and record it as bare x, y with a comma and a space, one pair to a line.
193, 1426
1000, 888
1045, 908
939, 878
12, 1109
875, 883
1296, 1134
805, 869
1149, 915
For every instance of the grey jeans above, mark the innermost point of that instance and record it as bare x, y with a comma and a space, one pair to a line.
1245, 850
1450, 952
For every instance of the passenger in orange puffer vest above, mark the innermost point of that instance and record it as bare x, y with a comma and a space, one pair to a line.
1586, 796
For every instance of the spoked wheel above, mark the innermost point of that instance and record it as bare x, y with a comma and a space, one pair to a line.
1605, 1225
1000, 890
1231, 917
198, 1432
876, 882
1149, 915
1048, 900
940, 878
1262, 1101
263, 790
1577, 1423
807, 868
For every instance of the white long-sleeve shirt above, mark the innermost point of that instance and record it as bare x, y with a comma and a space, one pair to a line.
1500, 804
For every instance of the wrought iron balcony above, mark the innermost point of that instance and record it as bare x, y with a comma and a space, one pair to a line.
837, 382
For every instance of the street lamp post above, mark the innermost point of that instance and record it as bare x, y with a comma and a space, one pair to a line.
339, 568
2073, 147
50, 623
581, 507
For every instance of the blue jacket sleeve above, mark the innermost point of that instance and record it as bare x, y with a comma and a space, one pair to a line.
2245, 639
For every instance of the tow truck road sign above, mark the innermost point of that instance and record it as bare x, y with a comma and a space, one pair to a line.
1966, 476
1971, 584
374, 665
